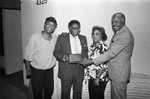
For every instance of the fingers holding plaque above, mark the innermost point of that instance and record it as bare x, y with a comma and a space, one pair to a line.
75, 58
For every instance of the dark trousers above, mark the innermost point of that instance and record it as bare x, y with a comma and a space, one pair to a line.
96, 92
42, 83
75, 82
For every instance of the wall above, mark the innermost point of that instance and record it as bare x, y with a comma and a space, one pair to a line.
11, 4
99, 12
12, 40
6, 4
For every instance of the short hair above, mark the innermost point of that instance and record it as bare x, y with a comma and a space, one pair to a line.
121, 15
52, 19
73, 22
102, 31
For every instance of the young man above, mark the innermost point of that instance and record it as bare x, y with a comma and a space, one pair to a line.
71, 74
40, 60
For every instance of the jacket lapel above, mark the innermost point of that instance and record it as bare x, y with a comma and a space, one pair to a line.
68, 45
82, 43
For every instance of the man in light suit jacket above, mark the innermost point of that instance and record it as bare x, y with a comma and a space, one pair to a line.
69, 73
119, 56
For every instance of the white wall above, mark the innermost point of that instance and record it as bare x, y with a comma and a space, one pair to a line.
99, 12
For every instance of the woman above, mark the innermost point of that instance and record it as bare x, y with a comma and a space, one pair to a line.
97, 75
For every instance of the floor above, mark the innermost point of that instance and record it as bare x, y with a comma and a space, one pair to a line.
11, 86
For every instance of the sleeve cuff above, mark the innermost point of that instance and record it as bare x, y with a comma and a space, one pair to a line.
95, 61
64, 58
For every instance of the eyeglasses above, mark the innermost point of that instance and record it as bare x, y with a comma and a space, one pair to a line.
75, 28
96, 34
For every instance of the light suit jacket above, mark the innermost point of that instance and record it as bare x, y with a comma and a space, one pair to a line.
65, 71
119, 56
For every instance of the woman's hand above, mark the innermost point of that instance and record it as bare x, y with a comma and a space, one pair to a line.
66, 58
96, 81
86, 62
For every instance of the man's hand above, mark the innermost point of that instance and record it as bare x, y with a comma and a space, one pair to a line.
84, 59
86, 62
28, 69
66, 58
28, 73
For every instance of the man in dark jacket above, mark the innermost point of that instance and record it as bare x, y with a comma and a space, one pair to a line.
71, 74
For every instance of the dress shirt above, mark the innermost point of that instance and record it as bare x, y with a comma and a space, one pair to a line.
74, 40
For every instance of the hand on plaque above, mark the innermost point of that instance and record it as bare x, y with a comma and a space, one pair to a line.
66, 58
86, 62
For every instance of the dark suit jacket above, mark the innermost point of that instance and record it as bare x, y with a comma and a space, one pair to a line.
119, 56
62, 48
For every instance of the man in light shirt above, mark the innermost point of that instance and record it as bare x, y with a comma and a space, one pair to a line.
40, 60
71, 74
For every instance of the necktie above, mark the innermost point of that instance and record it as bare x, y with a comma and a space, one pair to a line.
113, 37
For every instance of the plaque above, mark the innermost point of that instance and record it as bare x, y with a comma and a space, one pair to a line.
75, 58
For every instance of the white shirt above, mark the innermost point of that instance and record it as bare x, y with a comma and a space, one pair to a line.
74, 40
40, 51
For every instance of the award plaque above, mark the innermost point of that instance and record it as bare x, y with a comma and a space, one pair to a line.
75, 58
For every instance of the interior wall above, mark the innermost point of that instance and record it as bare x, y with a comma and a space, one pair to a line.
5, 4
1, 41
99, 12
12, 40
1, 35
27, 28
11, 4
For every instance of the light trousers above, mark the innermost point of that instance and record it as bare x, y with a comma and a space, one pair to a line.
118, 90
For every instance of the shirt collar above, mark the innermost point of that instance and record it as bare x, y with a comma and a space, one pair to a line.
120, 30
73, 36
